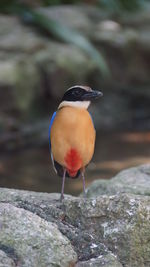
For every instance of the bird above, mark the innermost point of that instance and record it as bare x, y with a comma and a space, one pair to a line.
72, 134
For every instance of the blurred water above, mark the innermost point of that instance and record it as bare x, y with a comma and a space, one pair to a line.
31, 168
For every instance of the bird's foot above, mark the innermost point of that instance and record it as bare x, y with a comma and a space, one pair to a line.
61, 197
84, 194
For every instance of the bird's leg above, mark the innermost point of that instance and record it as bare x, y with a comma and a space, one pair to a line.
63, 185
83, 180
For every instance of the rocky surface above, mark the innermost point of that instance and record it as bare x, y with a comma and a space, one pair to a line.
135, 180
108, 260
108, 230
28, 240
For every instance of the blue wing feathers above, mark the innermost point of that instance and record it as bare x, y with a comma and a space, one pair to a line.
92, 119
49, 132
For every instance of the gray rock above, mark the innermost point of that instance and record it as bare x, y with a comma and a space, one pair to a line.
17, 38
5, 260
108, 260
114, 230
28, 59
134, 180
31, 241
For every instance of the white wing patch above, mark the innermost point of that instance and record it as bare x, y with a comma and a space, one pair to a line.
53, 162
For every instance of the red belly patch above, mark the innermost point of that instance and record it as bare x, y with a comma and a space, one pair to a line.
73, 162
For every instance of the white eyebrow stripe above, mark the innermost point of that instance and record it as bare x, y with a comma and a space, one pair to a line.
80, 86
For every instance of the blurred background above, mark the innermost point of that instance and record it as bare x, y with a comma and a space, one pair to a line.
47, 46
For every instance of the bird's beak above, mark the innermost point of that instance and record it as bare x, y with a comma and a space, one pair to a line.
89, 95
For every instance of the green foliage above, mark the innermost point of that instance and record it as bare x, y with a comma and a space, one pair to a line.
5, 4
52, 2
130, 5
120, 5
71, 36
60, 2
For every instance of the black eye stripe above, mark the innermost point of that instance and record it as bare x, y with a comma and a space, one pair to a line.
77, 92
74, 94
80, 94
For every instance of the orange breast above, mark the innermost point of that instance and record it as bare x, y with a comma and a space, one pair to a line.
72, 138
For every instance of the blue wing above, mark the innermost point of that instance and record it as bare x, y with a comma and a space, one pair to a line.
49, 138
49, 132
92, 119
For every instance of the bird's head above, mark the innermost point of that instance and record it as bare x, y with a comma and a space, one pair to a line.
79, 96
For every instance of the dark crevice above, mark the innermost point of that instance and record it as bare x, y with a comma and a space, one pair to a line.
11, 253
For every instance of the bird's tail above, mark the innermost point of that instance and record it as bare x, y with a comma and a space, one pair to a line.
60, 171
